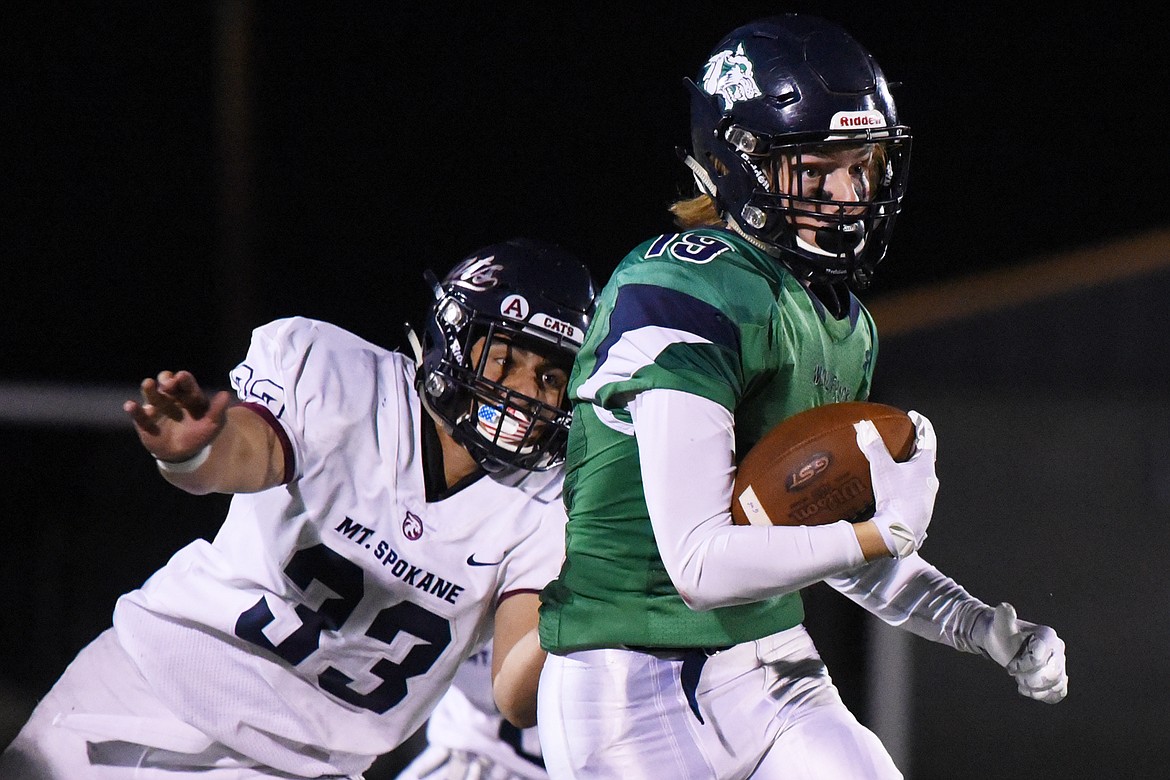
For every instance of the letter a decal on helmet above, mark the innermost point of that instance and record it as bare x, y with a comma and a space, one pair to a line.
515, 307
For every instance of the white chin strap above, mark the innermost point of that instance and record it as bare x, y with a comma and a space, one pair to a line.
707, 187
415, 346
702, 179
757, 243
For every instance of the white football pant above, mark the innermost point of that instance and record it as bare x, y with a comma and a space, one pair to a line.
769, 711
102, 722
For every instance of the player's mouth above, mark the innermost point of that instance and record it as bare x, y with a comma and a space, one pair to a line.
506, 429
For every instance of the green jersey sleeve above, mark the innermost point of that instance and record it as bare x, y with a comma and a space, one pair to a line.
673, 317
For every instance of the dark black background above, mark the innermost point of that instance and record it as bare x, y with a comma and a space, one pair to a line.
385, 138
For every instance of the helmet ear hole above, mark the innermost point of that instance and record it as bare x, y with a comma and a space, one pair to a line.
754, 216
452, 314
436, 386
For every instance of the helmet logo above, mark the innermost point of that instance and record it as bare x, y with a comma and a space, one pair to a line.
515, 307
730, 75
857, 120
476, 273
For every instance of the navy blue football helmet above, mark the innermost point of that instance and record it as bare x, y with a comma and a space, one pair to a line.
531, 294
777, 101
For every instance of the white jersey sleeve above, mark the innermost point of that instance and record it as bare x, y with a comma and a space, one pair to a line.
711, 561
912, 594
531, 566
329, 614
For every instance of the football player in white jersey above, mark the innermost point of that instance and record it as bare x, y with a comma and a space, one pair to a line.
390, 516
467, 738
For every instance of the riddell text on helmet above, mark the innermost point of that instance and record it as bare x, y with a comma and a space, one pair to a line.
852, 119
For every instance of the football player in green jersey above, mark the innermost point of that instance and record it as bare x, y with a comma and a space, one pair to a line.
675, 640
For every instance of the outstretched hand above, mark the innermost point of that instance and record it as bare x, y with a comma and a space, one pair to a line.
175, 419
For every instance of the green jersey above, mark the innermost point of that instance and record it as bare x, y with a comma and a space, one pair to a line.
707, 313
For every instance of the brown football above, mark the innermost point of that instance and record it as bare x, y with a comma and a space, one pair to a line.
808, 470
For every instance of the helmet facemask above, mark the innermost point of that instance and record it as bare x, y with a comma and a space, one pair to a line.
466, 359
827, 205
466, 388
775, 100
505, 326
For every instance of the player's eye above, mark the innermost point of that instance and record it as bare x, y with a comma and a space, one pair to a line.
500, 353
553, 380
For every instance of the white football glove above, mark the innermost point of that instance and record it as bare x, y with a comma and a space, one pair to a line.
1032, 654
904, 492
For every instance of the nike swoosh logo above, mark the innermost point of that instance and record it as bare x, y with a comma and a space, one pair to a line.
471, 561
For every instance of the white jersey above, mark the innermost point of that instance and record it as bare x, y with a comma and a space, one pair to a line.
330, 614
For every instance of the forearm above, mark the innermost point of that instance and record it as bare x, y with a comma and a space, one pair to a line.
742, 564
688, 468
912, 594
245, 457
514, 685
517, 658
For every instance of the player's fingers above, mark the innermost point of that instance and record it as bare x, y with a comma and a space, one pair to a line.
155, 398
182, 384
148, 388
155, 403
1042, 648
1045, 679
1052, 694
218, 404
458, 765
1048, 691
186, 390
869, 441
925, 440
475, 770
140, 418
498, 772
1040, 665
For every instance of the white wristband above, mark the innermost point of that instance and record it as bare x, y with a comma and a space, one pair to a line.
185, 466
